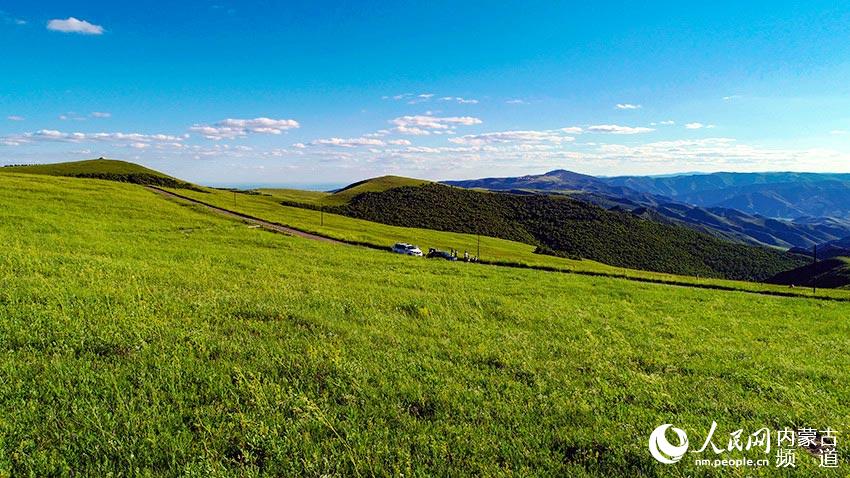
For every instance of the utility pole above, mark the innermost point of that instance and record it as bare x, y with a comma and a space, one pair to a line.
815, 268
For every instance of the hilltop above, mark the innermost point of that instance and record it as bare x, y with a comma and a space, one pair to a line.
343, 195
107, 169
559, 225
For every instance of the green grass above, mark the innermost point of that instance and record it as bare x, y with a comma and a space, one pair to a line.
492, 249
344, 195
105, 169
380, 235
140, 336
312, 198
565, 227
76, 168
373, 185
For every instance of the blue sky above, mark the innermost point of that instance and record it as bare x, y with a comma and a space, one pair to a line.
324, 92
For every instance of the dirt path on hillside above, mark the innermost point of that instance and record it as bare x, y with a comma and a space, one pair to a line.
271, 226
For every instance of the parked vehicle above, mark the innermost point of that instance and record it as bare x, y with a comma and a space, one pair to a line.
407, 249
438, 254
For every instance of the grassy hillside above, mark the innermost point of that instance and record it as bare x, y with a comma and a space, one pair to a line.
268, 207
107, 169
570, 227
299, 196
493, 250
830, 273
374, 185
140, 334
317, 199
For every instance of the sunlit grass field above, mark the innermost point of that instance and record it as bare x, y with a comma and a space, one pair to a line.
75, 168
494, 250
139, 336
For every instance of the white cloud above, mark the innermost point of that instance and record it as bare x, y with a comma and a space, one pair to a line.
6, 18
100, 114
663, 123
731, 97
299, 145
421, 125
397, 97
413, 99
697, 125
838, 132
73, 25
515, 101
71, 116
617, 129
400, 142
573, 130
349, 142
460, 100
628, 106
117, 138
718, 154
237, 128
15, 118
421, 98
512, 137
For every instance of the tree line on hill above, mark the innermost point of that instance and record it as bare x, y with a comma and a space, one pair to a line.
565, 227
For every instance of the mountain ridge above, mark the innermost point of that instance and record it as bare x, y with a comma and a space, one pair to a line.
690, 201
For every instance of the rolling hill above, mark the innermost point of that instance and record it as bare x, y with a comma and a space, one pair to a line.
144, 334
686, 200
563, 226
319, 199
108, 169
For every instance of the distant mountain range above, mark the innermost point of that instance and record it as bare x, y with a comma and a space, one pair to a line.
788, 210
775, 195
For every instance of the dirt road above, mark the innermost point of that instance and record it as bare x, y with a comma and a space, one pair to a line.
249, 219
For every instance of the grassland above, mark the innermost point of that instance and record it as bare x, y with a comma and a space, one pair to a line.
144, 337
493, 250
106, 169
299, 196
564, 226
77, 168
344, 195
